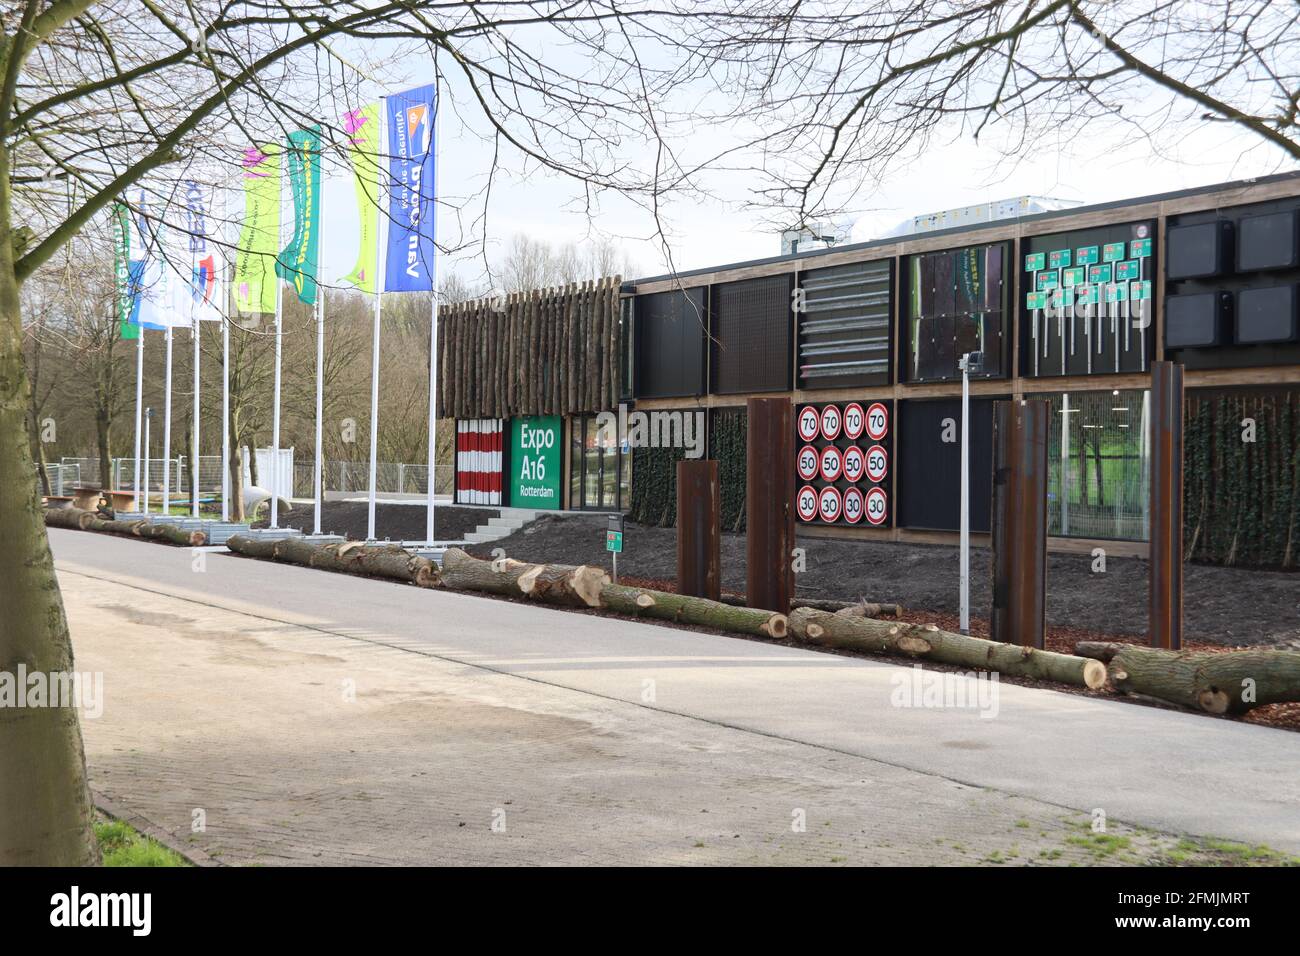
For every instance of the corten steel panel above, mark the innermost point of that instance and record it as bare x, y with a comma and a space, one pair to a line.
752, 332
845, 325
928, 494
699, 537
769, 504
670, 335
1165, 566
1019, 533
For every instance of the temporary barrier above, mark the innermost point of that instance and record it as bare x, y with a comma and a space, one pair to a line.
478, 461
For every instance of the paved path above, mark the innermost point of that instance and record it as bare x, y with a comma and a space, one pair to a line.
594, 740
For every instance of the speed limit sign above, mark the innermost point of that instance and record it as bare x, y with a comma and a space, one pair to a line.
830, 504
854, 463
877, 463
854, 421
877, 506
877, 421
853, 506
808, 423
831, 422
806, 502
808, 462
832, 463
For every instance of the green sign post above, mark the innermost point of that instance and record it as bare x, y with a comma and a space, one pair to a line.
536, 451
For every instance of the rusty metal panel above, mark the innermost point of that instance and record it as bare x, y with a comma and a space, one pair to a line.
699, 537
1165, 566
1019, 523
769, 504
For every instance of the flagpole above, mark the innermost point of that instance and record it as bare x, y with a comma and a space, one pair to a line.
279, 343
225, 418
167, 429
195, 450
318, 490
429, 528
374, 353
139, 407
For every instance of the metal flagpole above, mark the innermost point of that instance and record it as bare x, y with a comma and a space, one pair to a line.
148, 417
374, 355
225, 418
275, 415
194, 454
429, 529
139, 406
167, 429
320, 404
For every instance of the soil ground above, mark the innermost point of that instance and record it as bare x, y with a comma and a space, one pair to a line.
1226, 607
393, 522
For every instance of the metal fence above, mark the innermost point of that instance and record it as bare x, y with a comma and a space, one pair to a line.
354, 476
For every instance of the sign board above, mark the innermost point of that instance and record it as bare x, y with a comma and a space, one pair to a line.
841, 460
614, 541
536, 453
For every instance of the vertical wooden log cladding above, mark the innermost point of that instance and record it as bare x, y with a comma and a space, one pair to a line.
1165, 565
570, 353
1019, 523
516, 352
769, 504
699, 529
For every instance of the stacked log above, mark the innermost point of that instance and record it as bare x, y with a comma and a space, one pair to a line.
542, 352
82, 520
349, 557
929, 642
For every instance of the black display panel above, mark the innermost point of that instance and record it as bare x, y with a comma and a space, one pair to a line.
752, 334
842, 463
929, 467
1266, 315
1198, 251
670, 331
1197, 321
956, 303
1086, 301
845, 319
1270, 241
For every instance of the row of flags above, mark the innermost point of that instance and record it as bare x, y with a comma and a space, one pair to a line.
172, 276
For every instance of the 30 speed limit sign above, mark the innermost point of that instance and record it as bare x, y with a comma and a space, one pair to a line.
853, 506
877, 506
830, 504
877, 422
807, 503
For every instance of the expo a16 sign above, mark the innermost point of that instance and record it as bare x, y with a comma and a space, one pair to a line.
842, 463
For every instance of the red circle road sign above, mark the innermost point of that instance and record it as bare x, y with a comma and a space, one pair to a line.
830, 504
877, 421
831, 422
808, 423
832, 463
877, 506
854, 463
855, 419
853, 506
807, 463
806, 502
877, 463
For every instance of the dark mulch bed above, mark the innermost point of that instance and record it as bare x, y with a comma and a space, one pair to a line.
1226, 607
393, 522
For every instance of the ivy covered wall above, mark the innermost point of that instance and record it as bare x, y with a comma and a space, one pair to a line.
654, 475
1241, 497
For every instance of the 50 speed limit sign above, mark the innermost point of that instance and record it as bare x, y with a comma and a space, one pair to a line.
808, 462
877, 463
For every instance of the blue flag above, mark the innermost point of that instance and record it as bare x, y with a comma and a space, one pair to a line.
408, 263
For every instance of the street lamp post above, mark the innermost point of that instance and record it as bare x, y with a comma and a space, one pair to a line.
970, 362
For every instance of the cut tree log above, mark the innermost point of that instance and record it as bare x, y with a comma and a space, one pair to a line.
462, 572
76, 518
386, 561
702, 612
83, 520
1228, 682
563, 584
929, 642
151, 531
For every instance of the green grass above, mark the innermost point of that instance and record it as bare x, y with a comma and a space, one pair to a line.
121, 845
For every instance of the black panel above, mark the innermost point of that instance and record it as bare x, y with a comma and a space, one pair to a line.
929, 469
670, 334
956, 302
844, 327
1271, 241
753, 328
1266, 315
1198, 251
1197, 321
1086, 304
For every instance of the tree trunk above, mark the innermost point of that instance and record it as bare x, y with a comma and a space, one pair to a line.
931, 643
351, 557
47, 811
103, 427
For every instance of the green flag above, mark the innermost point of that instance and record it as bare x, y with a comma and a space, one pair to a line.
122, 269
255, 283
362, 127
298, 260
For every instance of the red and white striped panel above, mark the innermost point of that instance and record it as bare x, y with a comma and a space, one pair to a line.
478, 461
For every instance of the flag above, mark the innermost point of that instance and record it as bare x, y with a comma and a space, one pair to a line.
259, 235
298, 260
146, 278
362, 127
204, 259
409, 259
122, 270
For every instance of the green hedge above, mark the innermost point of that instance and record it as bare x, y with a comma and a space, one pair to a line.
654, 475
1241, 498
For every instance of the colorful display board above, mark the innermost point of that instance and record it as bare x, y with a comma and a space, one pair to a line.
956, 302
842, 463
536, 447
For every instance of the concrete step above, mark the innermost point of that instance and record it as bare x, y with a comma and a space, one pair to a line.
483, 536
504, 522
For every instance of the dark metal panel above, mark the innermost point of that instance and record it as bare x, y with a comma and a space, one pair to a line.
699, 538
769, 504
752, 331
1019, 532
844, 325
1165, 566
670, 331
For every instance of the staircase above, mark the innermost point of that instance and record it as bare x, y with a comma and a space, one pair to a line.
510, 520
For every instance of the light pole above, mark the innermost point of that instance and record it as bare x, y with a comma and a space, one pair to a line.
970, 362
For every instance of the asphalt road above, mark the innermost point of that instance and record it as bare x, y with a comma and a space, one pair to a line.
1173, 772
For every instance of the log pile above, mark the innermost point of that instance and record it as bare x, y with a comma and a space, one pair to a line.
1228, 682
82, 520
349, 557
543, 352
928, 642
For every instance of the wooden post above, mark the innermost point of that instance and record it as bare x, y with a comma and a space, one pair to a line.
1165, 566
769, 504
699, 536
1019, 515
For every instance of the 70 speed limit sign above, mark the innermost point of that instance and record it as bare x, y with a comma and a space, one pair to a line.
841, 463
